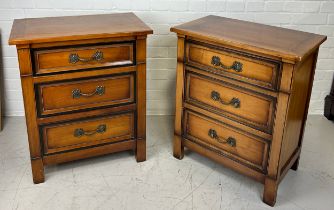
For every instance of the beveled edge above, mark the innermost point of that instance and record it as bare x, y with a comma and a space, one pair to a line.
18, 24
294, 58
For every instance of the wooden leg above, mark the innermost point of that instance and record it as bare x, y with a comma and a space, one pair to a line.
270, 191
37, 170
296, 164
141, 150
178, 148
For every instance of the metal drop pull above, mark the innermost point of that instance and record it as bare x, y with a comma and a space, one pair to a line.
100, 90
230, 140
235, 102
74, 57
81, 132
236, 66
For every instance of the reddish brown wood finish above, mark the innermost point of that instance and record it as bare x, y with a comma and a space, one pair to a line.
89, 152
274, 89
141, 99
255, 109
57, 60
62, 136
269, 40
178, 147
247, 150
256, 71
60, 97
73, 28
47, 74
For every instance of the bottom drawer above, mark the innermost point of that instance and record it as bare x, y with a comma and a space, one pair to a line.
229, 141
88, 132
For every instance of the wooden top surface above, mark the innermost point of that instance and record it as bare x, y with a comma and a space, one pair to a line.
285, 43
51, 29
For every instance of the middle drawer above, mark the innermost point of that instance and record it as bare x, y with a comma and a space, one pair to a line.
82, 94
242, 105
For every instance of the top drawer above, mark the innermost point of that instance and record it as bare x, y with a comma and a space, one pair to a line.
66, 59
242, 66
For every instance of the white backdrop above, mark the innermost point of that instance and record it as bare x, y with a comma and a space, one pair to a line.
311, 16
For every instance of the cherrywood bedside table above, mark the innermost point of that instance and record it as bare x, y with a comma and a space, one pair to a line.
84, 86
242, 95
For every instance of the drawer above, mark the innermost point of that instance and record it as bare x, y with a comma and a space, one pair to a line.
78, 134
75, 58
82, 94
226, 140
244, 106
242, 66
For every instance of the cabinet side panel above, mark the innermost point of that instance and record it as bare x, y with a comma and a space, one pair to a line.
297, 108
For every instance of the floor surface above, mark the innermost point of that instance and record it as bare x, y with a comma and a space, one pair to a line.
117, 181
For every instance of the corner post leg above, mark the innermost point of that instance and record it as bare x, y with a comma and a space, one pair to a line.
28, 91
270, 191
37, 170
178, 148
141, 98
141, 150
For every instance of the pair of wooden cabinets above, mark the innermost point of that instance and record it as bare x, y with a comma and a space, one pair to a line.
242, 91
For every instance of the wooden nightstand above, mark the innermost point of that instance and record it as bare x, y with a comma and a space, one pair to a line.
84, 86
242, 97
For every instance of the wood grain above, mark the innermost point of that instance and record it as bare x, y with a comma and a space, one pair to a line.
254, 109
61, 137
57, 60
65, 100
89, 152
71, 28
258, 176
248, 149
274, 89
296, 109
141, 99
58, 97
275, 41
31, 116
178, 148
255, 70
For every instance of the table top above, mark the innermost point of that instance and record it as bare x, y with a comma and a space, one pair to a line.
68, 28
280, 42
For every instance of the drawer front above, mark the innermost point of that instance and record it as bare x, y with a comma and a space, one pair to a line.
72, 135
245, 106
82, 94
65, 59
238, 65
233, 143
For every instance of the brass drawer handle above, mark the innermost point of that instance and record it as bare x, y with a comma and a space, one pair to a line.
236, 66
230, 140
81, 132
100, 90
234, 101
74, 57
